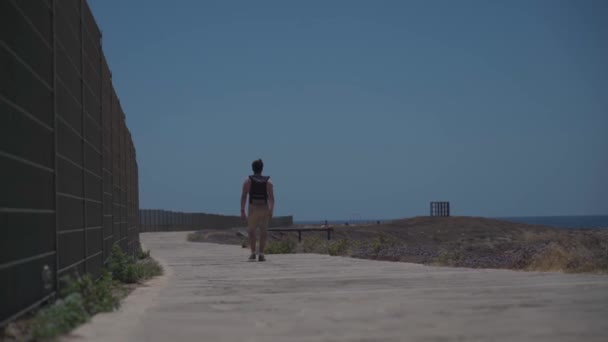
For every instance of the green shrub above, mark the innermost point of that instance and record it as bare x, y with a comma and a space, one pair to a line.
83, 297
80, 298
380, 243
148, 268
120, 265
141, 254
123, 267
97, 295
132, 274
339, 247
128, 270
193, 237
61, 317
313, 245
444, 258
286, 246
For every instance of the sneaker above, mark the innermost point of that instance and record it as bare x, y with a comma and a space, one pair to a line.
261, 258
252, 257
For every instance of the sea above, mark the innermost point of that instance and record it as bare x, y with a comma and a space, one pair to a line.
577, 221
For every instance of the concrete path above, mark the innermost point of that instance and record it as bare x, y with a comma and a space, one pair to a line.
210, 293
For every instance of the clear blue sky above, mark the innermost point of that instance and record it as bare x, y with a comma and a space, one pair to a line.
371, 108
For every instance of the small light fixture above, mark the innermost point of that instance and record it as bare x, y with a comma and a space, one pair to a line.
47, 278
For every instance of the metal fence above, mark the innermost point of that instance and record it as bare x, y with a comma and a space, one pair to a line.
68, 172
151, 220
440, 208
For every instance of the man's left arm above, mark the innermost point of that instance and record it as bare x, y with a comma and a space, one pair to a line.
270, 190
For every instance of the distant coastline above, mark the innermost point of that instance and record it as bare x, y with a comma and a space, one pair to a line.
572, 221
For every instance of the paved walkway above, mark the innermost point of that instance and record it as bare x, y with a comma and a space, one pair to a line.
210, 293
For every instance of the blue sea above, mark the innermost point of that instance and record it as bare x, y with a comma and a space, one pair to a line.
599, 221
582, 221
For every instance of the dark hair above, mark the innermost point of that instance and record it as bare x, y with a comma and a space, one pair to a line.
257, 166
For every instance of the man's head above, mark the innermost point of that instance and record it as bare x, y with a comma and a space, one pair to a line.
257, 166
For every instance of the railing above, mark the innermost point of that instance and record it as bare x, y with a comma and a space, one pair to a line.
152, 220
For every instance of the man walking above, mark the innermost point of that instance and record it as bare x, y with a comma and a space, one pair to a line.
261, 207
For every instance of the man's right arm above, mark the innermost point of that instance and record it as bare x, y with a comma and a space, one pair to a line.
244, 193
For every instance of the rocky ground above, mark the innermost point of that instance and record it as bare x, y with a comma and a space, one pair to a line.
454, 241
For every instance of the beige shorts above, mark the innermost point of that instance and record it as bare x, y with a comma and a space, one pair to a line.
259, 217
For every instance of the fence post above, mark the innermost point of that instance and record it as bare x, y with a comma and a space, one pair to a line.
55, 142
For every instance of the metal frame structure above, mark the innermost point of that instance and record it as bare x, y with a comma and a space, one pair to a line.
440, 208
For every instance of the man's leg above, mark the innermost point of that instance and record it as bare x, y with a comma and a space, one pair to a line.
251, 227
264, 221
263, 235
252, 239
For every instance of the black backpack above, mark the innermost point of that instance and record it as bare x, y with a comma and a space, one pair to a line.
258, 190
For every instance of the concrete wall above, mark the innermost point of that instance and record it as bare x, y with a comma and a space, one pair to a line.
68, 172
